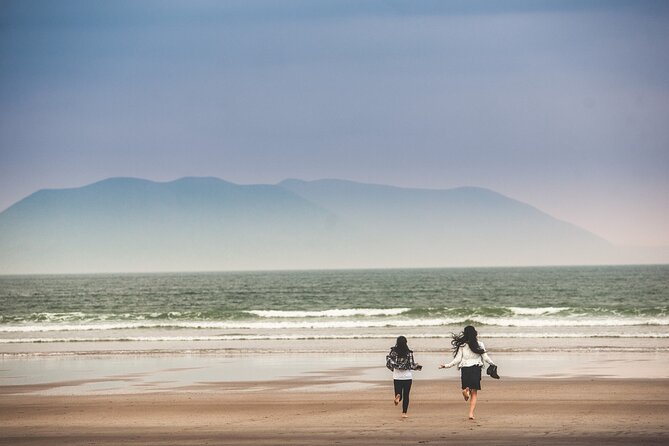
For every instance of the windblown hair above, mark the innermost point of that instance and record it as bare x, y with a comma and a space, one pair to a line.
401, 347
469, 337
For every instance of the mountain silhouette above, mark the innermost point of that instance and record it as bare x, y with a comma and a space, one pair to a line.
128, 224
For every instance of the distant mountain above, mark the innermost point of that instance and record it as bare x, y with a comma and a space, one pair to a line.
461, 226
126, 224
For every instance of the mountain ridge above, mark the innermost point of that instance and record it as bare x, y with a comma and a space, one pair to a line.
207, 223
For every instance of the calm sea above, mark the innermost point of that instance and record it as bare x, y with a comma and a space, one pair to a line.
556, 302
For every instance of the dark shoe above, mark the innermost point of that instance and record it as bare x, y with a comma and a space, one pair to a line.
492, 371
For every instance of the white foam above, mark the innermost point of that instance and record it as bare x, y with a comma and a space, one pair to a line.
263, 337
570, 321
524, 311
349, 312
235, 325
336, 323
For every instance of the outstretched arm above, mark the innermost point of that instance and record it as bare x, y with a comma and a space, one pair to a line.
455, 361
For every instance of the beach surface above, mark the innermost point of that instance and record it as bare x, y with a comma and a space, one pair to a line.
307, 411
573, 398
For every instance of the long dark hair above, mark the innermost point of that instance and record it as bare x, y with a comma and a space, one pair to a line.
468, 336
401, 347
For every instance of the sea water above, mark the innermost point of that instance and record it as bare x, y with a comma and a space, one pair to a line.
120, 333
553, 304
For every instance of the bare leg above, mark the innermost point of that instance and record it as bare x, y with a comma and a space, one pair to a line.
398, 391
472, 403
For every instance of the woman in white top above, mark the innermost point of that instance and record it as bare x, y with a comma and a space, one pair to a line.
400, 361
469, 355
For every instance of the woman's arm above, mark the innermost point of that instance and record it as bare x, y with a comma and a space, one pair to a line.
413, 364
487, 359
391, 364
484, 356
455, 361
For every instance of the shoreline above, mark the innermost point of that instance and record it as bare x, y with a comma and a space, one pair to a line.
312, 340
127, 373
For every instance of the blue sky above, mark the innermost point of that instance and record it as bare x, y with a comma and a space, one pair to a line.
560, 104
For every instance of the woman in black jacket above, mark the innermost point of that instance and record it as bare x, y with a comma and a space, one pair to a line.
400, 361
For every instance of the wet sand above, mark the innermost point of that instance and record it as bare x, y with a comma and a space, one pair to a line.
322, 396
310, 411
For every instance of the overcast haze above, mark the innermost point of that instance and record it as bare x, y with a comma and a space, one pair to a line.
562, 105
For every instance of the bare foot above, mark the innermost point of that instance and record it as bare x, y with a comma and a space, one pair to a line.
465, 393
405, 415
471, 417
397, 399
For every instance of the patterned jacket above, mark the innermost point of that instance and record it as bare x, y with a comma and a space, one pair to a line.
395, 361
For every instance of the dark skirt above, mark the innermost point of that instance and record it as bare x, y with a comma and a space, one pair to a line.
471, 377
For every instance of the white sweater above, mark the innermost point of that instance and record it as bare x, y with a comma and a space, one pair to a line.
465, 357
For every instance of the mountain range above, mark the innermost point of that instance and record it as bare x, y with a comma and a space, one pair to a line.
128, 224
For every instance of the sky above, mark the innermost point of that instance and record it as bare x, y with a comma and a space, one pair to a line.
560, 104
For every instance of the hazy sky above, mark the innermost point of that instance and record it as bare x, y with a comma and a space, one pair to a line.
562, 104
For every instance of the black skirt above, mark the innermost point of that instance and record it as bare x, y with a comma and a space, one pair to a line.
471, 377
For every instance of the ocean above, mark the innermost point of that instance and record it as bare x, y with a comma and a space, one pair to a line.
191, 311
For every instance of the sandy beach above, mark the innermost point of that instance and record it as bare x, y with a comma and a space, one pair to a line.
310, 393
316, 399
310, 412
